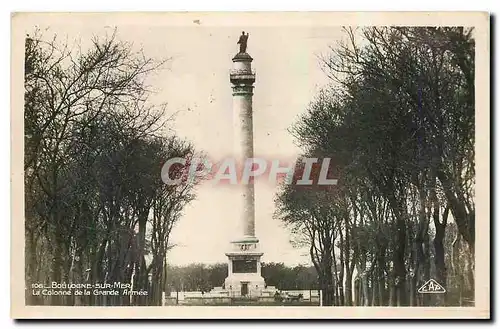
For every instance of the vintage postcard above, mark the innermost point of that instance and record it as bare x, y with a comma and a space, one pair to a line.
250, 165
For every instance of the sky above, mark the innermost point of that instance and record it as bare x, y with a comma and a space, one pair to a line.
195, 85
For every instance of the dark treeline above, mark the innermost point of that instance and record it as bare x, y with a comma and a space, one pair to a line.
398, 122
202, 277
96, 208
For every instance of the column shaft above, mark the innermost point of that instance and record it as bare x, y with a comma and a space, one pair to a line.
243, 150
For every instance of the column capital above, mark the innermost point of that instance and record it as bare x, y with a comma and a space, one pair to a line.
241, 77
242, 90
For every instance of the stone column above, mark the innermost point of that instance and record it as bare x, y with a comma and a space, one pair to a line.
242, 79
244, 248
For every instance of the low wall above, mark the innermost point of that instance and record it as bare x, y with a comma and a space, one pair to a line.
266, 299
206, 300
306, 294
199, 299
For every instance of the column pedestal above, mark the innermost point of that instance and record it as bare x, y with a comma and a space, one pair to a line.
244, 269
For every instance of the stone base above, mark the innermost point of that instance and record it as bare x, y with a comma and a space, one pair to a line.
244, 269
235, 283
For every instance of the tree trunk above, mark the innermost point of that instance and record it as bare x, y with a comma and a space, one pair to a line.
470, 276
392, 291
340, 283
57, 263
335, 283
381, 277
439, 254
399, 265
399, 253
31, 267
413, 290
381, 287
357, 292
375, 296
348, 285
364, 282
141, 264
349, 270
419, 242
464, 221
